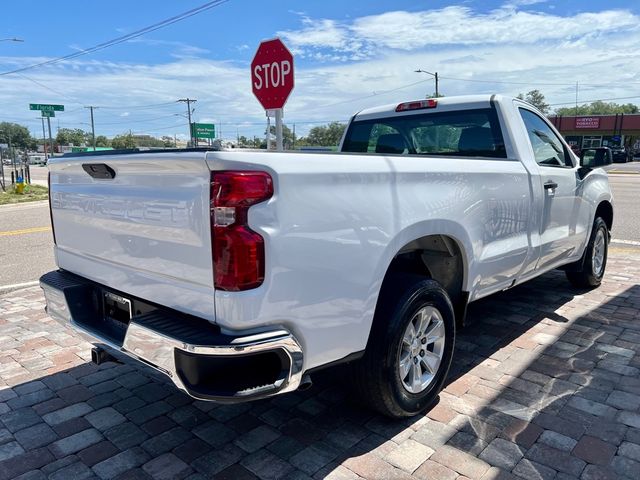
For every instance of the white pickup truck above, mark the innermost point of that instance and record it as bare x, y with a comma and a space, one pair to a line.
240, 273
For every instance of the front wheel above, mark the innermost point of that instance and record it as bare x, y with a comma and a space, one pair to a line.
409, 349
595, 258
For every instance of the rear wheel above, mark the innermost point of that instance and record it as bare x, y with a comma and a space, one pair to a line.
595, 258
410, 347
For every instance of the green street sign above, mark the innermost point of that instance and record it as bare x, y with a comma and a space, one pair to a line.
48, 113
46, 108
203, 130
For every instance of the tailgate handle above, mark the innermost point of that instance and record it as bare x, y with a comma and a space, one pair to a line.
100, 171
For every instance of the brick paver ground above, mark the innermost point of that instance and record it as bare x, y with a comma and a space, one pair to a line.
545, 385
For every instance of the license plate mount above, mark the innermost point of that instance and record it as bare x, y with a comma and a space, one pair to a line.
116, 307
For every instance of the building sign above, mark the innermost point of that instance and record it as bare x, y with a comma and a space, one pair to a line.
588, 122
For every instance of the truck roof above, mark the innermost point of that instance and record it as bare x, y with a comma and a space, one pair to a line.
465, 101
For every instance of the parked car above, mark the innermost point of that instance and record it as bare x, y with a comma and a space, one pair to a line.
619, 154
241, 273
37, 159
575, 149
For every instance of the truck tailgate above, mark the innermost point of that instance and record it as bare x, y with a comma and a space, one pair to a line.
145, 232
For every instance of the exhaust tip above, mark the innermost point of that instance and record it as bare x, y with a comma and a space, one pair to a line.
99, 356
306, 383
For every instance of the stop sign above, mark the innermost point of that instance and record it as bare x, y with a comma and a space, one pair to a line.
272, 74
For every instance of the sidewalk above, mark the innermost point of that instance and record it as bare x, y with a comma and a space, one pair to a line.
545, 385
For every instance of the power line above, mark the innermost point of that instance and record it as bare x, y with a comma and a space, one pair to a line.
375, 94
123, 38
142, 120
507, 82
139, 107
161, 128
591, 101
49, 88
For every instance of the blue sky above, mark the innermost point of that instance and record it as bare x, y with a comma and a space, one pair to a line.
349, 55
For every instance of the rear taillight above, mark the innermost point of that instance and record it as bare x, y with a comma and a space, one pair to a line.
238, 251
53, 229
417, 105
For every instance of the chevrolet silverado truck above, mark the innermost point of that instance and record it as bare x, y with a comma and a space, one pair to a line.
240, 273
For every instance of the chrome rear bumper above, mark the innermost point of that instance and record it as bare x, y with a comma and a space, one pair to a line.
198, 358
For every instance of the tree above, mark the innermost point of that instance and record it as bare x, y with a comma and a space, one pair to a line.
147, 141
168, 141
287, 136
324, 135
258, 142
17, 135
102, 141
75, 136
123, 141
535, 98
599, 108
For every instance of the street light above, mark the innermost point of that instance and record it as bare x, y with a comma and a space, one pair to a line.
11, 40
434, 75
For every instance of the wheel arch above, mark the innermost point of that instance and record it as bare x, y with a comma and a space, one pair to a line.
605, 211
441, 254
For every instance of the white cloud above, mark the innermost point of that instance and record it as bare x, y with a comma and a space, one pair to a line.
523, 3
456, 25
349, 65
323, 32
177, 49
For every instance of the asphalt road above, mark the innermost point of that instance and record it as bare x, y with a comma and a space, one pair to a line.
26, 242
626, 210
630, 167
39, 174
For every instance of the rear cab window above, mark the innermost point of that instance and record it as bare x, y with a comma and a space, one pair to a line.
460, 133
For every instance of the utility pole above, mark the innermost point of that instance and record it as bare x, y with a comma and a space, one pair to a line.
435, 76
293, 147
93, 130
188, 101
50, 139
44, 142
576, 99
268, 133
279, 146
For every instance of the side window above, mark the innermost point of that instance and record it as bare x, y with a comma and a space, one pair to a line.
548, 150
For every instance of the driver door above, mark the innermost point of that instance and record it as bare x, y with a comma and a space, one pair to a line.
561, 224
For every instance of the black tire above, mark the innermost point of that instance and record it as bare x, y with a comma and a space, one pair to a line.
376, 376
589, 275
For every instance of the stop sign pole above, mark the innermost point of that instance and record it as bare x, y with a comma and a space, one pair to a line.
272, 80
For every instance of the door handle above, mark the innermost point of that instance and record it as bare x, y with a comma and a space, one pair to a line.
550, 185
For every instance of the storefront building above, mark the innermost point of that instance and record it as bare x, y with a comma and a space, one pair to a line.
600, 130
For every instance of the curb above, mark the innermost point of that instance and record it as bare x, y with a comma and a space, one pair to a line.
17, 286
34, 203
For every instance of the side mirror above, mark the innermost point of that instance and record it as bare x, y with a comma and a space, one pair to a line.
596, 157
